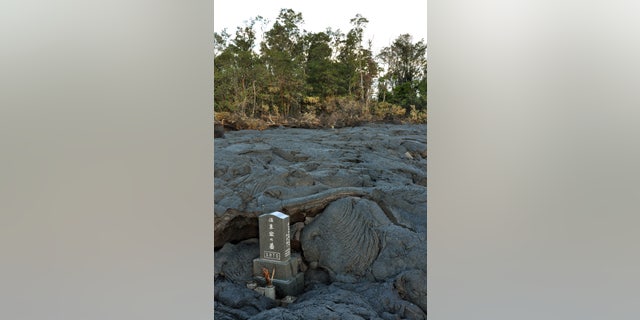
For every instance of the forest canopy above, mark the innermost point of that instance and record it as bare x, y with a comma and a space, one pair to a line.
315, 79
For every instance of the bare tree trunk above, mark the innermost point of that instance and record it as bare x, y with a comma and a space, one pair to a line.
244, 96
367, 97
361, 87
253, 109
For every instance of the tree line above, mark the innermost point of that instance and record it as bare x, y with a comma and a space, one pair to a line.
316, 78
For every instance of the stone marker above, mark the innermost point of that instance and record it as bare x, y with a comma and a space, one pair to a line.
275, 254
275, 237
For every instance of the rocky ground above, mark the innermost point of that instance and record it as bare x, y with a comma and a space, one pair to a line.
357, 201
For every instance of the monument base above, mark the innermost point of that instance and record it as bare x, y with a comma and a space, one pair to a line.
284, 269
288, 281
291, 287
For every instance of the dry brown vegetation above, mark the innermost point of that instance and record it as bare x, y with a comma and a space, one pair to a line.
331, 113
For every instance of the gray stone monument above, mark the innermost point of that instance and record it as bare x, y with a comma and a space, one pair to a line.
275, 254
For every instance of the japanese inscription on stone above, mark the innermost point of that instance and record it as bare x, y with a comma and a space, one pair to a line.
274, 236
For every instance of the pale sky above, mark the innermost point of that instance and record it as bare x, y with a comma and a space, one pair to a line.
387, 19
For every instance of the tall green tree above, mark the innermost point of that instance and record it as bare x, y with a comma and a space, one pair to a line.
367, 71
223, 75
348, 56
320, 69
238, 70
356, 66
246, 64
283, 53
404, 81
